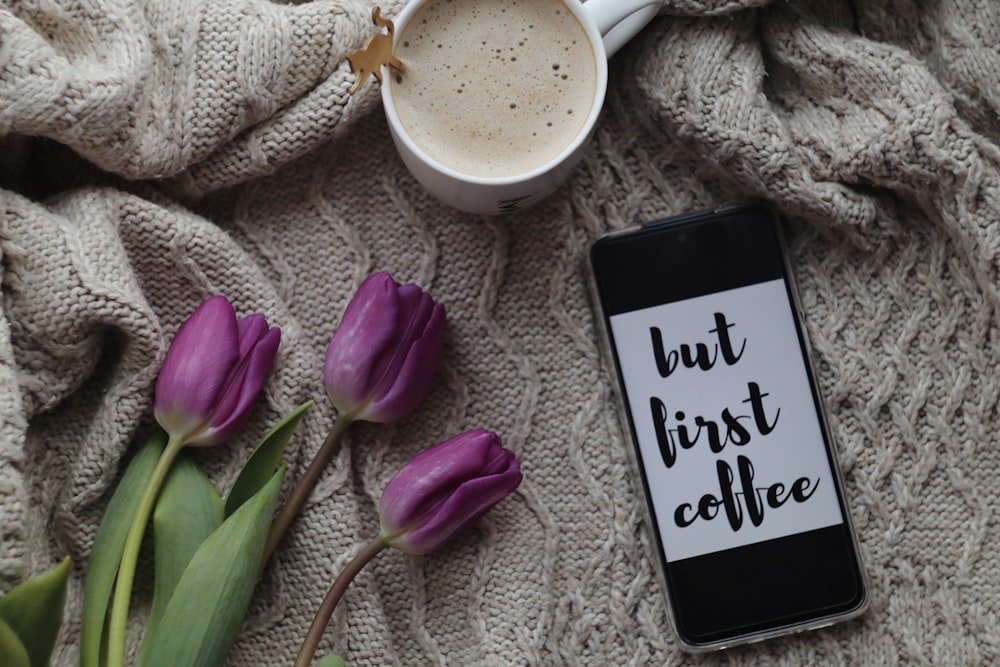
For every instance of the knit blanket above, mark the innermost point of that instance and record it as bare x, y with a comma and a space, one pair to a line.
156, 152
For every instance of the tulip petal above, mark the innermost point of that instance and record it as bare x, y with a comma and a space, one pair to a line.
414, 310
367, 329
411, 382
250, 329
241, 391
422, 483
380, 362
197, 366
446, 488
463, 507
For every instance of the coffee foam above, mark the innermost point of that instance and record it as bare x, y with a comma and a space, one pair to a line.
494, 88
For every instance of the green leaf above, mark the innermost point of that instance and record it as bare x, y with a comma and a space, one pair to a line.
331, 661
265, 458
187, 511
206, 610
34, 610
12, 651
109, 545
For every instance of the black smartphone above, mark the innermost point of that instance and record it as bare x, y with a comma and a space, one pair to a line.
745, 500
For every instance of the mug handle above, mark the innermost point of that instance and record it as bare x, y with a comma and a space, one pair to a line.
619, 20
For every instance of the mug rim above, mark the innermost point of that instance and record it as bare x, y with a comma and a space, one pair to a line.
601, 85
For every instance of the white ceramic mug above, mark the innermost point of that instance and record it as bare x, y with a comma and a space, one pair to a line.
608, 24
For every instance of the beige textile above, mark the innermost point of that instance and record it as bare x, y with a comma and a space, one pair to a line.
155, 152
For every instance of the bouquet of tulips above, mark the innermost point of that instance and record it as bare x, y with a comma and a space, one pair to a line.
209, 549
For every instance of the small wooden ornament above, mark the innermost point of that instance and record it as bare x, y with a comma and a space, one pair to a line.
377, 52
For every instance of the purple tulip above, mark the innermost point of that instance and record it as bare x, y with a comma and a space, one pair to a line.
444, 489
214, 369
381, 360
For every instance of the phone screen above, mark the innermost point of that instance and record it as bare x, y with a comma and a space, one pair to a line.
728, 427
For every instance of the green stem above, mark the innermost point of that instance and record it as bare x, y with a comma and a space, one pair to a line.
297, 498
311, 643
130, 555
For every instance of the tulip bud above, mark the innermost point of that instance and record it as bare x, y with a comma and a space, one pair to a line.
215, 367
381, 360
446, 488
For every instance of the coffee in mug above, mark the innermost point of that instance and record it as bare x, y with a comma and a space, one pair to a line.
500, 97
494, 88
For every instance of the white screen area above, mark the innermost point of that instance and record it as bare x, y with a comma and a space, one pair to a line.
727, 428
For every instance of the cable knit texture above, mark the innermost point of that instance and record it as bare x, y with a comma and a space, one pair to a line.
158, 151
